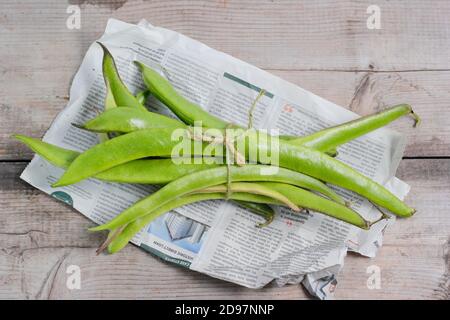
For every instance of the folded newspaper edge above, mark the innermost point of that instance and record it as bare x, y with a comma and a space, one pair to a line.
216, 237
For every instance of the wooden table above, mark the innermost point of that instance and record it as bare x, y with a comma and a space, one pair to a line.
323, 46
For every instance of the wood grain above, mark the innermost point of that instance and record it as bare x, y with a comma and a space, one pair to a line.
362, 92
302, 35
323, 46
37, 246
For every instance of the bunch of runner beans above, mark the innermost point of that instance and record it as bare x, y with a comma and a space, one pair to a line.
136, 146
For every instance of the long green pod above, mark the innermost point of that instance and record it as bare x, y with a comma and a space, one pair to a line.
326, 140
154, 171
116, 89
131, 229
151, 171
187, 111
302, 198
109, 103
57, 156
191, 183
255, 188
161, 171
158, 142
323, 167
305, 199
126, 119
132, 146
313, 202
333, 137
150, 143
135, 145
143, 171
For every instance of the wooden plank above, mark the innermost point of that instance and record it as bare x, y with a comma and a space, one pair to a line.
40, 58
305, 35
414, 261
25, 110
40, 238
368, 92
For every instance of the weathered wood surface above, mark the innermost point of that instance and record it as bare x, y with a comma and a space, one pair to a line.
322, 46
41, 237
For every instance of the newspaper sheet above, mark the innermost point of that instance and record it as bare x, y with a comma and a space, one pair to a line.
219, 238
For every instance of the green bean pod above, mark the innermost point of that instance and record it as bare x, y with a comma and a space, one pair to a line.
126, 119
333, 137
143, 171
326, 140
151, 143
109, 104
57, 156
191, 183
187, 111
116, 89
161, 171
302, 198
122, 239
158, 142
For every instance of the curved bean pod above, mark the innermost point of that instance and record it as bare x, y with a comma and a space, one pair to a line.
162, 171
158, 142
114, 84
325, 140
155, 171
187, 111
126, 119
122, 239
305, 199
113, 163
191, 183
122, 149
333, 137
151, 171
299, 196
57, 156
